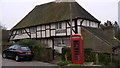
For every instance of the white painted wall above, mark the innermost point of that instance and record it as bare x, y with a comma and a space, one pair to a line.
38, 28
50, 42
53, 32
47, 33
21, 36
58, 49
43, 34
79, 30
33, 35
39, 34
52, 26
88, 23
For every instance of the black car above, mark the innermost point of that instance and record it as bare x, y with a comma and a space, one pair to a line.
18, 52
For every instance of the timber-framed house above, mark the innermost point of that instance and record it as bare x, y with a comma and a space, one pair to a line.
50, 24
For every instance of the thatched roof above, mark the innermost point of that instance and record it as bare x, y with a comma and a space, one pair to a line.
54, 12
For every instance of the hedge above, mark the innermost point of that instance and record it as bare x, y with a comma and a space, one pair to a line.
66, 51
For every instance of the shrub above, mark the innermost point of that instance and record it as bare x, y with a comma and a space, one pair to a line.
89, 55
66, 51
6, 44
28, 42
63, 63
43, 54
104, 58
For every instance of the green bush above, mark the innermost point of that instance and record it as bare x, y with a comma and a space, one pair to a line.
28, 42
6, 44
104, 58
89, 55
66, 51
76, 65
43, 54
63, 63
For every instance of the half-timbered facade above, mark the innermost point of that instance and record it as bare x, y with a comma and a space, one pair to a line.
50, 24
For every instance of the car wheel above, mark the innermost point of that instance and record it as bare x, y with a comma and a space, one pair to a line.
17, 58
4, 55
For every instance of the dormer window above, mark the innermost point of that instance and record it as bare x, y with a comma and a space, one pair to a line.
59, 26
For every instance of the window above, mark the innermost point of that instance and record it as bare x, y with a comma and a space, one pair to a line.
16, 47
25, 49
32, 29
21, 31
61, 43
11, 47
59, 26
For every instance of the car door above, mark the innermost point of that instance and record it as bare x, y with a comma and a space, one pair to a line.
9, 51
15, 50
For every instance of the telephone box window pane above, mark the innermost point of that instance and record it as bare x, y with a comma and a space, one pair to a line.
76, 44
77, 53
77, 58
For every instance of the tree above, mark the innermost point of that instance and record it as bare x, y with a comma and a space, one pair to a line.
2, 27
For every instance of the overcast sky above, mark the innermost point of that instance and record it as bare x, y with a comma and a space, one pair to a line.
12, 11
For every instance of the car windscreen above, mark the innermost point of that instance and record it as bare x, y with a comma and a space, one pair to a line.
25, 48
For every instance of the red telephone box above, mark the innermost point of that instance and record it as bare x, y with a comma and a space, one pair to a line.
77, 49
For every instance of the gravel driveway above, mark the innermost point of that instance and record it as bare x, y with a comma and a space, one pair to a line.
10, 62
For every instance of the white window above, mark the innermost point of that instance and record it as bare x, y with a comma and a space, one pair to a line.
21, 31
61, 43
32, 29
59, 26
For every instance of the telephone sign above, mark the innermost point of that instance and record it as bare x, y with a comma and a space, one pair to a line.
77, 49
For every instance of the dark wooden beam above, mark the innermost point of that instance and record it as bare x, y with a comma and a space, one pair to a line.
27, 33
76, 27
10, 35
30, 33
14, 34
50, 29
66, 28
45, 31
81, 22
41, 31
72, 27
36, 31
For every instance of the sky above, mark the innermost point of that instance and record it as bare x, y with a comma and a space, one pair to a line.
12, 11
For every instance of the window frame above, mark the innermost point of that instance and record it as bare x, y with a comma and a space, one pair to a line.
33, 30
21, 31
59, 26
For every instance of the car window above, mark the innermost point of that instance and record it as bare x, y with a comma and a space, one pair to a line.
11, 47
16, 47
25, 48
